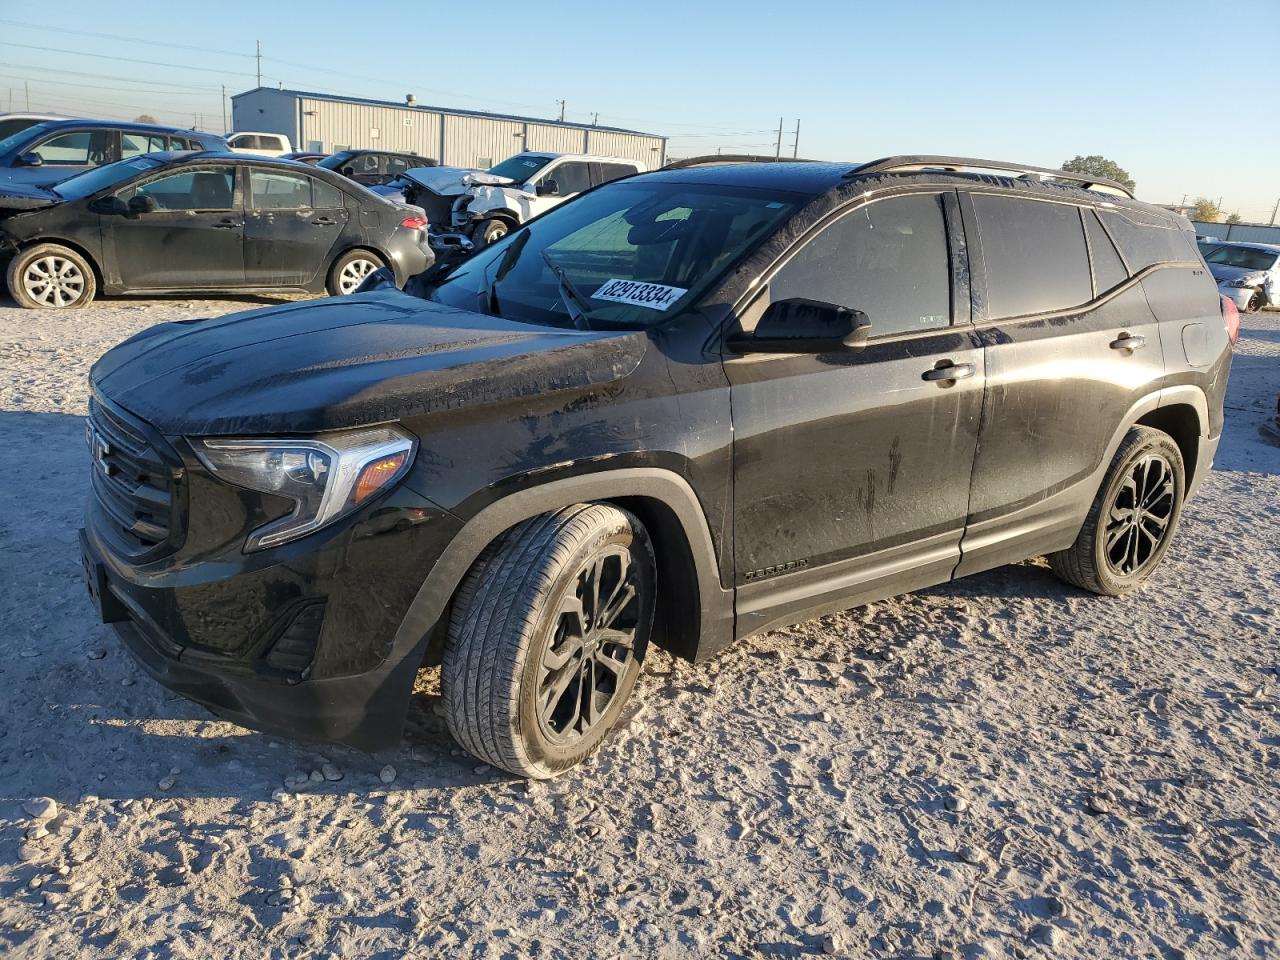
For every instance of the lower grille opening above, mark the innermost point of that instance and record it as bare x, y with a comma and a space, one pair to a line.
295, 648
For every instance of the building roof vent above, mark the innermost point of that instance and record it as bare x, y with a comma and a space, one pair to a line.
410, 100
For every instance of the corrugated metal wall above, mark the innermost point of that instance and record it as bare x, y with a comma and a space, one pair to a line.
338, 124
470, 140
462, 140
1238, 231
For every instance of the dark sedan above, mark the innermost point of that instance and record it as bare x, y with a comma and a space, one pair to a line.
191, 222
372, 167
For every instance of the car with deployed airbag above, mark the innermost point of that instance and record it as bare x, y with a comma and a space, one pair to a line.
679, 409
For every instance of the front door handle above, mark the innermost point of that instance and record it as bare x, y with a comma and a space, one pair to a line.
947, 372
225, 224
324, 221
1128, 342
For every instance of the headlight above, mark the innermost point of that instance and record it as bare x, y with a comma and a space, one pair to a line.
326, 476
1244, 282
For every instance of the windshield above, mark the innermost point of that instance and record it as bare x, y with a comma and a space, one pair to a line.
99, 178
1247, 258
336, 160
12, 141
626, 255
520, 167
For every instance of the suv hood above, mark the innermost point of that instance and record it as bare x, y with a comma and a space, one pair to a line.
21, 196
454, 181
349, 361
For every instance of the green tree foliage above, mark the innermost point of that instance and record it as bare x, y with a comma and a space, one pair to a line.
1233, 218
1206, 211
144, 118
1100, 167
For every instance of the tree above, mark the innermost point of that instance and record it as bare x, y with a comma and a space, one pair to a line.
1100, 167
1233, 218
144, 118
1206, 211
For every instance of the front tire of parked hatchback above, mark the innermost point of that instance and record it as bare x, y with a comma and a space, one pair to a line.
547, 637
350, 270
1132, 520
1256, 302
50, 276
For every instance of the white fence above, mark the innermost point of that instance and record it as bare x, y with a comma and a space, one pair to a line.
1252, 232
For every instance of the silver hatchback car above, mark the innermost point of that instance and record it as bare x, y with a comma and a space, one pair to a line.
1248, 274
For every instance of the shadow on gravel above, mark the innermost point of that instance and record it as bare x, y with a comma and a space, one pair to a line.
142, 299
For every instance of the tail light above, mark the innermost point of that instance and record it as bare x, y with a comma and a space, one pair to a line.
414, 223
1231, 319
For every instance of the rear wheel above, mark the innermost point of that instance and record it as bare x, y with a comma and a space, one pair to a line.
350, 270
50, 277
1132, 519
1256, 302
547, 638
490, 231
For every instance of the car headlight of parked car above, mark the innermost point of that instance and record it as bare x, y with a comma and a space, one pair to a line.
326, 476
1250, 280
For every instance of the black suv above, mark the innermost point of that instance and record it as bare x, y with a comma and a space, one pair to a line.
686, 406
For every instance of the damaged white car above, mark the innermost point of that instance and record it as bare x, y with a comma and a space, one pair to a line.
476, 207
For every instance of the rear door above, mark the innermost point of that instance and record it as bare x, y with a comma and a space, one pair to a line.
292, 223
1071, 345
851, 469
193, 239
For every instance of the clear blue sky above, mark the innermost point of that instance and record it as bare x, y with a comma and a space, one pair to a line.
1138, 82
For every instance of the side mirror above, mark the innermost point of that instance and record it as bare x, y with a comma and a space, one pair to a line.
31, 160
348, 171
548, 188
799, 325
140, 203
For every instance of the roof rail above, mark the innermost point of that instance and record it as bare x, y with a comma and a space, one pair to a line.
911, 164
713, 159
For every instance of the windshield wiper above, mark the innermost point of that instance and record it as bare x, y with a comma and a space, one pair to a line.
578, 306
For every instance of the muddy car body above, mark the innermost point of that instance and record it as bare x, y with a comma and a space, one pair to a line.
607, 428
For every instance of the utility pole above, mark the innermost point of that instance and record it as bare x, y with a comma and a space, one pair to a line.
26, 85
225, 128
777, 152
561, 102
595, 118
795, 144
1274, 211
259, 63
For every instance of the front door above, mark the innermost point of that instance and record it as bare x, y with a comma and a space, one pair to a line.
292, 223
193, 238
558, 182
851, 468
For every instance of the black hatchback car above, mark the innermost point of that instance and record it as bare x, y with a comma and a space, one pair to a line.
681, 408
373, 167
187, 222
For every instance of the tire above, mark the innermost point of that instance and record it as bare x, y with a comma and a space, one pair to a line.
50, 276
350, 270
1256, 302
490, 231
513, 672
1117, 551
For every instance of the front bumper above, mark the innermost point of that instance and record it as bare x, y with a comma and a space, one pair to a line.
1240, 296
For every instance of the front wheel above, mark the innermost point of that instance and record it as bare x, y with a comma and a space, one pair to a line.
350, 270
1132, 520
490, 231
49, 276
547, 637
1256, 302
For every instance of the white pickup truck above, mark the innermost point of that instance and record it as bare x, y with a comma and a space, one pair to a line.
476, 207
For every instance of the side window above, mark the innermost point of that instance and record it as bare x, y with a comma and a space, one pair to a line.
277, 190
612, 171
136, 144
204, 189
325, 196
1145, 244
397, 165
82, 147
571, 177
367, 163
1108, 270
1034, 255
887, 259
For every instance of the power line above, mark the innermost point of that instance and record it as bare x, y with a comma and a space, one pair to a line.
106, 56
94, 86
101, 76
115, 36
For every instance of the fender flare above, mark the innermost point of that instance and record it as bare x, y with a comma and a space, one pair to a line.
651, 483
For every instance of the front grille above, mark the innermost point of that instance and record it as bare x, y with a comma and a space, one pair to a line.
134, 486
439, 209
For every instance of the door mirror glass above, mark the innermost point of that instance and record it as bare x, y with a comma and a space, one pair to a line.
799, 325
141, 203
31, 160
548, 188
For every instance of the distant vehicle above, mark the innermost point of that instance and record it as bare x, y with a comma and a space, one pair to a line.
57, 149
11, 123
185, 222
260, 144
304, 156
1248, 274
483, 206
373, 167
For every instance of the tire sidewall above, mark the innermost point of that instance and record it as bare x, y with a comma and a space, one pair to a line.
1116, 583
23, 258
548, 757
335, 272
488, 228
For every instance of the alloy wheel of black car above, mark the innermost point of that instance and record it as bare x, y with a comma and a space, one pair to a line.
547, 637
1132, 519
50, 276
350, 270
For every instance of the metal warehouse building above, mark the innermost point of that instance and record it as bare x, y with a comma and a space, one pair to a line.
324, 123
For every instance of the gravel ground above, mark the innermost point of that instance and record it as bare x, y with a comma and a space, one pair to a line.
999, 767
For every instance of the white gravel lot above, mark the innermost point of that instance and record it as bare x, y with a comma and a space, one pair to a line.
999, 767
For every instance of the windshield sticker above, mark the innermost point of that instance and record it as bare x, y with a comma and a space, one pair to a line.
655, 296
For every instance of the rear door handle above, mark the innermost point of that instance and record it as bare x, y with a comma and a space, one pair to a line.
324, 221
948, 372
225, 224
1129, 342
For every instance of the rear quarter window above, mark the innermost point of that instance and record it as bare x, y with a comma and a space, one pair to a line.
1108, 270
1144, 244
1034, 255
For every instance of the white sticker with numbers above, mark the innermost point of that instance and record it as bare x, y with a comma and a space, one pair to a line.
655, 296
